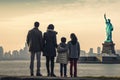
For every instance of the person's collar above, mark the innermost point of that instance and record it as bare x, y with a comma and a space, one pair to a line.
35, 27
49, 30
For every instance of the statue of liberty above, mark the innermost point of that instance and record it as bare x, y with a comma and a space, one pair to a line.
108, 45
109, 29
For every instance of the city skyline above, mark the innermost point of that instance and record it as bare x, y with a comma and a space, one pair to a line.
23, 53
82, 17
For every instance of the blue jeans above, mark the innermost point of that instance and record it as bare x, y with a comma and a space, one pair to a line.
63, 66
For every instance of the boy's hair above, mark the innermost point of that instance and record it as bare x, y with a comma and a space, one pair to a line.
63, 39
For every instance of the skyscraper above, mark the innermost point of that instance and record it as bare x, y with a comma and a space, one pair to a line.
1, 52
91, 51
98, 50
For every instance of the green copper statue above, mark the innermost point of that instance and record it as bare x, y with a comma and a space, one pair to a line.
109, 29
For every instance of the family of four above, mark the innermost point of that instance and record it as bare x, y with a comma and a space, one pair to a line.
47, 43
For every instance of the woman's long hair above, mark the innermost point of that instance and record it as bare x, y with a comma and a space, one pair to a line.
73, 38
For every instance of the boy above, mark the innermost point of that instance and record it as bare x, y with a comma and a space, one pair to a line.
62, 57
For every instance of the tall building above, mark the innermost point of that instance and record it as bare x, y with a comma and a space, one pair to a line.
1, 52
15, 54
91, 51
26, 49
98, 50
24, 54
82, 53
7, 55
118, 51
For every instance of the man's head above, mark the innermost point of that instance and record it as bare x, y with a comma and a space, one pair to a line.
36, 24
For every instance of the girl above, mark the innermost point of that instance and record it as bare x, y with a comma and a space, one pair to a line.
74, 53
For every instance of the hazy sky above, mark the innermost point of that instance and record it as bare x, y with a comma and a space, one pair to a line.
83, 17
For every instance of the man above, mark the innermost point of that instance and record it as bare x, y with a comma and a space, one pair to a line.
109, 29
34, 41
50, 45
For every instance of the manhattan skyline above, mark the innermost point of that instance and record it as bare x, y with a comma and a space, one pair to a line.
82, 17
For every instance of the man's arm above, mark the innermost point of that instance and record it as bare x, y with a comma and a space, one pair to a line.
28, 38
41, 40
105, 18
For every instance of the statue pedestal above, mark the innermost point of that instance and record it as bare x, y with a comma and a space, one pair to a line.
108, 47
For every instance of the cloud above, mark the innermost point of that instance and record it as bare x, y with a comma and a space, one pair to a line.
59, 1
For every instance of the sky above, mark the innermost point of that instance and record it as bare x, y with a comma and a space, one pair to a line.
82, 17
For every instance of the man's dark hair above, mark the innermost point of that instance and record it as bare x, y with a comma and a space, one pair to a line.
36, 24
63, 39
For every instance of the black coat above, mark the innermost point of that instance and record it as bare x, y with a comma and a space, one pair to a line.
34, 40
50, 43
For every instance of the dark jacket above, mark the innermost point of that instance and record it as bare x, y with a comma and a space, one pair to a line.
50, 43
34, 40
62, 56
74, 50
62, 47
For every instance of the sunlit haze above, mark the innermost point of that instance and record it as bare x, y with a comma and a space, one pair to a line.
82, 17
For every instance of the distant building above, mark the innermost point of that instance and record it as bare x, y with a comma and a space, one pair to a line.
1, 52
26, 49
15, 54
82, 53
91, 51
98, 50
24, 54
118, 52
7, 55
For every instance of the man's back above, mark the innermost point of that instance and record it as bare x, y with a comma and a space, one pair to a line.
34, 40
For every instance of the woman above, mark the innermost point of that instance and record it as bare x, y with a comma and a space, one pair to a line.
50, 45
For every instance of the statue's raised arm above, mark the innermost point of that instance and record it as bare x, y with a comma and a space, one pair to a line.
105, 18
